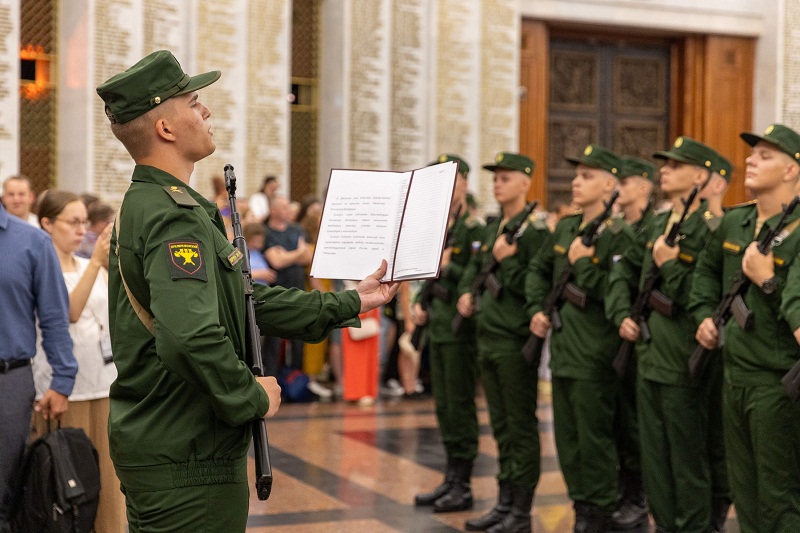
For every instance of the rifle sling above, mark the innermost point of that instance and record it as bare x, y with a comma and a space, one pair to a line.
146, 318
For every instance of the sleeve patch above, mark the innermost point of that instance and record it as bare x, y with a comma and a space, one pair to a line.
234, 257
185, 260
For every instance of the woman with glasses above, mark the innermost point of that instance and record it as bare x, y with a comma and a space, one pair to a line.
63, 216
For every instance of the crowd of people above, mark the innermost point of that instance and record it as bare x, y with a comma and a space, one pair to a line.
135, 330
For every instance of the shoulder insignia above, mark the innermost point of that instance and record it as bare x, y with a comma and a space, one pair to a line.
537, 222
686, 258
185, 260
615, 225
560, 250
235, 256
180, 196
743, 204
473, 222
712, 220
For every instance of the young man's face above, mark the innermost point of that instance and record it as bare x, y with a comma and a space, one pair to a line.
631, 190
509, 185
17, 197
765, 167
677, 177
194, 127
590, 185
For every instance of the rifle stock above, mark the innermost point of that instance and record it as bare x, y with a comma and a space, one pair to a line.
487, 279
650, 297
253, 343
532, 349
734, 298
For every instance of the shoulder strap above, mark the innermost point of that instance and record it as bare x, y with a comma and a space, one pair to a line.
144, 316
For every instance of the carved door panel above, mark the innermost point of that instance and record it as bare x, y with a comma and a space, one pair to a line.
605, 93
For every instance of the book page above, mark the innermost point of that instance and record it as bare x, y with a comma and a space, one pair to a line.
421, 240
360, 223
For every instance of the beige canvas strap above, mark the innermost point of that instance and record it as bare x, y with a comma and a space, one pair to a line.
144, 316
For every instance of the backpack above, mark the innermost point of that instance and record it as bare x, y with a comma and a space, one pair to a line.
60, 484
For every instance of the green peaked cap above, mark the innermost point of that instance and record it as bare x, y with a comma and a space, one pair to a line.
687, 150
151, 81
784, 138
634, 166
463, 167
596, 156
511, 161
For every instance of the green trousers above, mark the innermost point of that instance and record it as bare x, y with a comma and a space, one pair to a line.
511, 385
202, 508
583, 424
675, 468
762, 445
720, 487
453, 369
626, 427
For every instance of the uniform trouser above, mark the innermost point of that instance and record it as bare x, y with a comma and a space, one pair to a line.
510, 385
453, 368
626, 428
762, 445
198, 509
720, 487
672, 426
583, 424
16, 406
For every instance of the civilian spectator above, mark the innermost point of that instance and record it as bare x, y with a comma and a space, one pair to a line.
18, 198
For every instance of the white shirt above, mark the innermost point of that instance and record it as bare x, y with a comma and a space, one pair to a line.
94, 375
259, 206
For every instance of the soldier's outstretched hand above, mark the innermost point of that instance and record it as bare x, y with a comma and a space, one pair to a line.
374, 293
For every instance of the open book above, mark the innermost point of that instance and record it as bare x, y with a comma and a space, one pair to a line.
373, 215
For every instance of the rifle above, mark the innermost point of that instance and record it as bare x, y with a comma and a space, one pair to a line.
433, 289
732, 303
487, 279
642, 306
563, 288
253, 343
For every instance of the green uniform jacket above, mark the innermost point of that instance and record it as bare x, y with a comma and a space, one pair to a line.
665, 358
182, 401
501, 319
467, 236
762, 355
586, 345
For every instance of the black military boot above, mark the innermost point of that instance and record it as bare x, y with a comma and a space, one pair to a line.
598, 521
632, 508
581, 517
505, 498
519, 519
429, 498
719, 513
459, 497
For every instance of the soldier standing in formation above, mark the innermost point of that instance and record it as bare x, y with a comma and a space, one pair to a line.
584, 384
762, 424
510, 383
673, 410
635, 203
453, 366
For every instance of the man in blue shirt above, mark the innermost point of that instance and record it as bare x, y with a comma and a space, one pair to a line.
32, 286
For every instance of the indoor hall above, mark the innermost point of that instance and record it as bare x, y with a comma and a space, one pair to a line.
340, 467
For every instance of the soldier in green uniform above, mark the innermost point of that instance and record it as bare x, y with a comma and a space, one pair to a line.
761, 424
673, 410
453, 357
510, 383
635, 202
584, 383
183, 403
636, 180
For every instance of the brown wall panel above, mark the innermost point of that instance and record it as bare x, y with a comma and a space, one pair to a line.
534, 76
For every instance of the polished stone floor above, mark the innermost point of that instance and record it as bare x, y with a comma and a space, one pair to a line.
340, 467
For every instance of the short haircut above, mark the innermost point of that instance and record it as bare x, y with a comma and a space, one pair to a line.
253, 229
19, 177
99, 212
